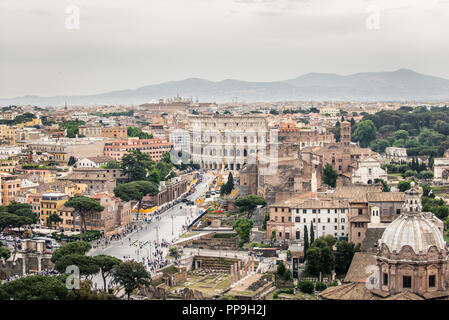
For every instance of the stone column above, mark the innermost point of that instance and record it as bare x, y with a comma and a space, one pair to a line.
23, 264
39, 264
232, 274
240, 269
252, 264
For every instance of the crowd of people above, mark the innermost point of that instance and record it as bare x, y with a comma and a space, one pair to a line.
48, 272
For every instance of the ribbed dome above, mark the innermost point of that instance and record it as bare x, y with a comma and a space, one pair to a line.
414, 230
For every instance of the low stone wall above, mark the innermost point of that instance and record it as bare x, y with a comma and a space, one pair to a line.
208, 241
219, 264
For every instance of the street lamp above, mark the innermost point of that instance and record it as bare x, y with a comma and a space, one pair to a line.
157, 234
172, 226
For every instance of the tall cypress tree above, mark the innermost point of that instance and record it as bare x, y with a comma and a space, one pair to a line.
306, 240
230, 183
312, 233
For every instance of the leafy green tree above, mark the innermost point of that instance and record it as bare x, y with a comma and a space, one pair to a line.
313, 261
16, 215
111, 165
427, 191
306, 240
380, 145
34, 288
401, 135
136, 132
365, 132
75, 247
329, 175
243, 228
84, 207
72, 127
266, 218
343, 256
154, 176
385, 186
106, 264
306, 286
312, 233
85, 292
272, 238
427, 175
404, 185
136, 190
174, 251
230, 183
87, 265
281, 268
249, 203
134, 165
320, 286
54, 218
131, 275
4, 252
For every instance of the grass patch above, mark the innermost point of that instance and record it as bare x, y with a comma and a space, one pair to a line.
225, 235
169, 270
189, 234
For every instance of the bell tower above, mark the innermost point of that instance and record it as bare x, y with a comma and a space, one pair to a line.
412, 202
345, 133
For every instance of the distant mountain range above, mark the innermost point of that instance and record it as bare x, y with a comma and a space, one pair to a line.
400, 85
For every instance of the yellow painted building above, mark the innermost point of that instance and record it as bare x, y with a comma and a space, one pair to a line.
50, 204
32, 122
7, 134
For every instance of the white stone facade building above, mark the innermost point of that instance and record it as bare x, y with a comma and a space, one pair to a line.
396, 154
368, 170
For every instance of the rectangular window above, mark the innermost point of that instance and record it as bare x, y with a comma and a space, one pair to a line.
407, 282
360, 212
432, 281
385, 279
398, 211
298, 234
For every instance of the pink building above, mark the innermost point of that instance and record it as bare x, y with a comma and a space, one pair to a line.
155, 148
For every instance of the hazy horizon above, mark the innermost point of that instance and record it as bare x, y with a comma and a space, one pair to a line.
130, 44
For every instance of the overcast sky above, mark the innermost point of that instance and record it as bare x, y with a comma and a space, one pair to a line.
126, 44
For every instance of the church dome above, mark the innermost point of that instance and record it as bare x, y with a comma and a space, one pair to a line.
413, 228
416, 231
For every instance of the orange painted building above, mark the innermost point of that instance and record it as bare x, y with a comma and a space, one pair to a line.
10, 186
155, 148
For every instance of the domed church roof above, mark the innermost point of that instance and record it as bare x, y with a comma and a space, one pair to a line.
413, 228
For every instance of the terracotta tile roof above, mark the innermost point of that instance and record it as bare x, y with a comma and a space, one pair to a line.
355, 193
361, 218
100, 159
349, 291
359, 264
385, 196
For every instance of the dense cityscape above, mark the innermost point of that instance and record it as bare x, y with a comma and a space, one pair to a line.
224, 159
196, 200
